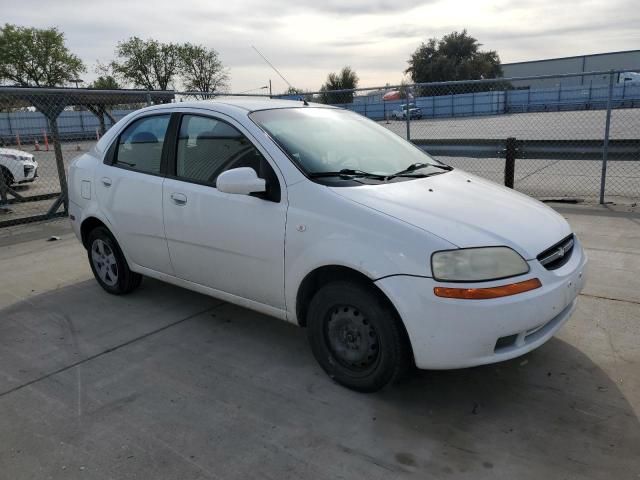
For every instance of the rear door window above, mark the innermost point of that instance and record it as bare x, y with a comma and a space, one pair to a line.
140, 144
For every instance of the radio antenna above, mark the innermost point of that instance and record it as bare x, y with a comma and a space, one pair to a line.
270, 64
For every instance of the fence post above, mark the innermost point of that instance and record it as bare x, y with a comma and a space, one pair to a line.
9, 122
408, 115
148, 99
510, 162
605, 144
3, 194
62, 176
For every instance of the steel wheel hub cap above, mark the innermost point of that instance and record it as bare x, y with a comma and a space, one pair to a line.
104, 262
351, 337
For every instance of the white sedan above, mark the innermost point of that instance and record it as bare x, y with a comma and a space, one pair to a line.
17, 166
321, 217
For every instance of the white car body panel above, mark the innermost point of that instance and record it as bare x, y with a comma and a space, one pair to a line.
451, 333
256, 253
15, 161
141, 228
448, 205
226, 241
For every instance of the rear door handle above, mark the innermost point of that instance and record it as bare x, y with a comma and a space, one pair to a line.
179, 198
106, 181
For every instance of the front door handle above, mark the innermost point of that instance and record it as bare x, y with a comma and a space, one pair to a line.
179, 198
106, 181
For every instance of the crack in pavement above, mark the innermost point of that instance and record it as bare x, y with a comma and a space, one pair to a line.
633, 302
108, 350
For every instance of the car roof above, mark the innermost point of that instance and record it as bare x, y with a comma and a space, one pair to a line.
240, 104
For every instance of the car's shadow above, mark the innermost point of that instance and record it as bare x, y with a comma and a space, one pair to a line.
196, 381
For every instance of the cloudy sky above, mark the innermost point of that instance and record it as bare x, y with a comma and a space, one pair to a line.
306, 39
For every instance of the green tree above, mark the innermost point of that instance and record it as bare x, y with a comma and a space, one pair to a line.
346, 79
105, 82
201, 69
147, 63
33, 57
457, 56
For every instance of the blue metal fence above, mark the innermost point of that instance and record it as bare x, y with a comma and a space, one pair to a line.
30, 125
81, 123
591, 97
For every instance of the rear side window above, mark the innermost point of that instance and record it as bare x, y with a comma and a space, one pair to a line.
140, 144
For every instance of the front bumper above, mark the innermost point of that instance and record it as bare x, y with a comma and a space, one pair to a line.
451, 333
29, 172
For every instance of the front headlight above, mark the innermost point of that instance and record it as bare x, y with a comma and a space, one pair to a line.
477, 264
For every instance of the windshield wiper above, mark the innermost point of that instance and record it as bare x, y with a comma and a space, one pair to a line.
407, 172
347, 172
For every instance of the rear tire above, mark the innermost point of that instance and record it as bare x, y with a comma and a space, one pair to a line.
356, 337
109, 265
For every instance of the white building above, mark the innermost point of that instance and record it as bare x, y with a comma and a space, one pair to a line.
629, 59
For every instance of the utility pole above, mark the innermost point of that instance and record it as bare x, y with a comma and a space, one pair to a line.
270, 95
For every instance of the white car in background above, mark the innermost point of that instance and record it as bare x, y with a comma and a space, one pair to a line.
323, 218
17, 166
415, 113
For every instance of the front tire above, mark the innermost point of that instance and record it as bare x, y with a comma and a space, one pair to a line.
108, 264
356, 337
8, 177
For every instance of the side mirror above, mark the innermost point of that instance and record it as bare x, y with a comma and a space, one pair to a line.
242, 181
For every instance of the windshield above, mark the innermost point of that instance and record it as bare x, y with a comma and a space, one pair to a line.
330, 140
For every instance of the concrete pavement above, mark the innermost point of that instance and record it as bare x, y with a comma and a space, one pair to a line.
170, 384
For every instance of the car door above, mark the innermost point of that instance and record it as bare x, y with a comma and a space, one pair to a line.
129, 189
230, 242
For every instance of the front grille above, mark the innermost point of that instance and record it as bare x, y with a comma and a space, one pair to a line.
557, 255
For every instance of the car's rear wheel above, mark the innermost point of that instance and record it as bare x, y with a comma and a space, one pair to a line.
108, 264
356, 337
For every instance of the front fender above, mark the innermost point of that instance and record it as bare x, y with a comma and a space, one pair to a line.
325, 229
16, 167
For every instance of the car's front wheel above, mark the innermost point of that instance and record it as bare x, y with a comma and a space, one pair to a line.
356, 337
109, 265
8, 177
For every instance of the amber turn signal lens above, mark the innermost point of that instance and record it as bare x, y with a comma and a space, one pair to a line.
487, 293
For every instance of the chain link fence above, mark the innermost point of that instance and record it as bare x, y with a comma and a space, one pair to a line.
567, 137
546, 136
41, 132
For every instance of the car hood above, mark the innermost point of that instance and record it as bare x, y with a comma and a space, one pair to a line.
467, 211
18, 153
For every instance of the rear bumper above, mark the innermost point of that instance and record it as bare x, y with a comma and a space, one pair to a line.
451, 333
75, 218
